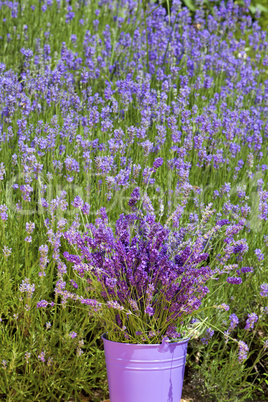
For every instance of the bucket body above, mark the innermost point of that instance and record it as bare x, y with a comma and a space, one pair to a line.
145, 373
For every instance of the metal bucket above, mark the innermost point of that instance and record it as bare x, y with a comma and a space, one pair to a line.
145, 373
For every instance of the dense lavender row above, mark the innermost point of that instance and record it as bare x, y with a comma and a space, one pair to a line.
103, 104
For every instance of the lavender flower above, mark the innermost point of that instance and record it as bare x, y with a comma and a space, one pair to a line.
134, 198
6, 252
224, 306
42, 303
2, 171
42, 356
234, 321
27, 288
30, 227
157, 163
209, 334
27, 356
138, 257
259, 254
264, 290
233, 280
252, 319
243, 349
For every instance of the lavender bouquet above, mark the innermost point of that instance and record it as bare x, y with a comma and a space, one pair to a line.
144, 281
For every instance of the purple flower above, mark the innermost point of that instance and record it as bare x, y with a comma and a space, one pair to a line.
42, 303
157, 163
78, 202
244, 270
149, 310
86, 208
73, 334
74, 283
30, 227
42, 356
243, 349
233, 280
115, 305
264, 290
209, 334
134, 198
237, 249
259, 254
27, 288
252, 319
224, 306
234, 321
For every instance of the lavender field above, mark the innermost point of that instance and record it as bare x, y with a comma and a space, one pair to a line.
112, 104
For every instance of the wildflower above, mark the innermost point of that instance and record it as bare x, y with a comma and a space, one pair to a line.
43, 249
7, 252
264, 290
135, 196
48, 325
74, 283
78, 202
224, 306
157, 163
86, 208
79, 352
3, 212
61, 224
244, 270
265, 344
259, 254
49, 361
2, 171
237, 249
42, 303
133, 305
233, 280
243, 349
27, 356
252, 319
149, 310
115, 305
4, 364
209, 334
234, 321
30, 227
42, 356
73, 334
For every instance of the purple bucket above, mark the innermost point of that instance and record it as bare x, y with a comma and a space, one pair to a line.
145, 373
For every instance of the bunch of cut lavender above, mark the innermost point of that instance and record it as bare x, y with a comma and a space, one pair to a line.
143, 291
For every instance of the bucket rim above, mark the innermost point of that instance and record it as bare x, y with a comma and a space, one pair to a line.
184, 340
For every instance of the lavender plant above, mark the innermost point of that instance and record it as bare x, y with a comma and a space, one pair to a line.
149, 280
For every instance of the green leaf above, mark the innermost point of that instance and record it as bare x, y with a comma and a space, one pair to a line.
189, 4
262, 8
